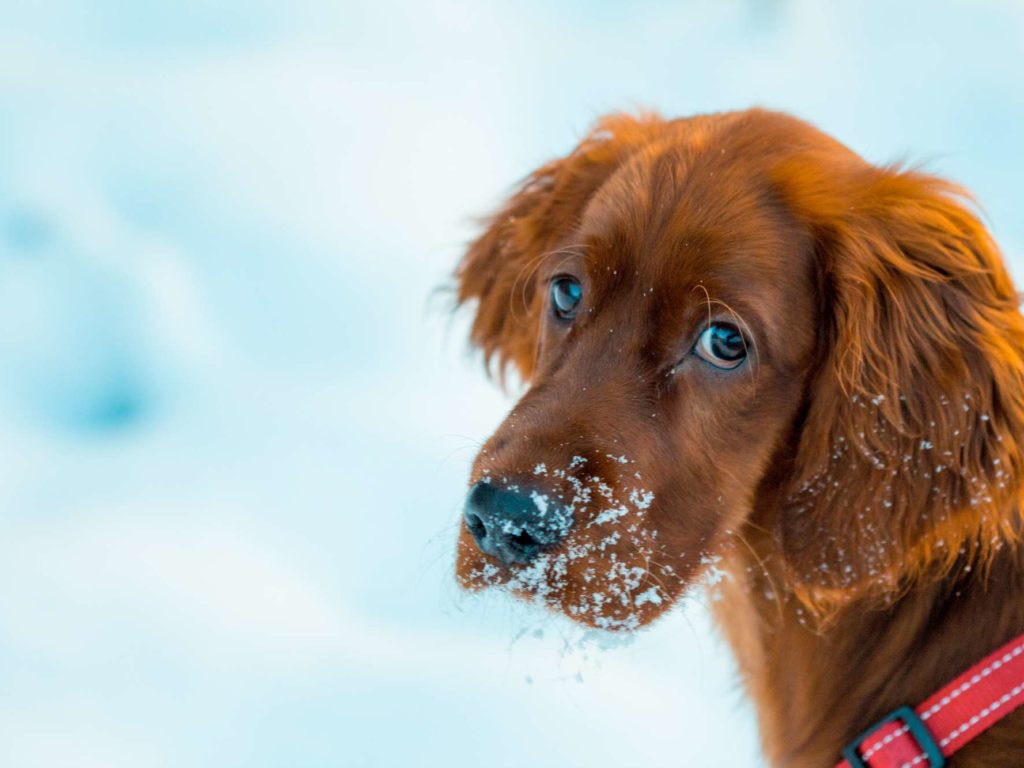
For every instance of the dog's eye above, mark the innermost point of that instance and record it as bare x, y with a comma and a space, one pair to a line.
566, 293
722, 345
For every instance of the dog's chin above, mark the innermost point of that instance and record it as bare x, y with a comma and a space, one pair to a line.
619, 601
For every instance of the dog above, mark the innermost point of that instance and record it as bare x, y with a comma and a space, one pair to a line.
752, 354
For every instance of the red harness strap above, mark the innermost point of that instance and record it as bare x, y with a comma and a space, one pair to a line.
924, 737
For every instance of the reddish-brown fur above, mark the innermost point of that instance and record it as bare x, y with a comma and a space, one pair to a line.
857, 481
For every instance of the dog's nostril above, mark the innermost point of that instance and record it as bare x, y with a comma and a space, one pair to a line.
476, 526
523, 541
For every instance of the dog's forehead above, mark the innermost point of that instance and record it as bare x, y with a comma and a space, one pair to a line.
679, 194
676, 221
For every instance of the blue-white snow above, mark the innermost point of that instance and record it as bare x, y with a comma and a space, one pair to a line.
235, 423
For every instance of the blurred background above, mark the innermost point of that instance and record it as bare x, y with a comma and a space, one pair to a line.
236, 418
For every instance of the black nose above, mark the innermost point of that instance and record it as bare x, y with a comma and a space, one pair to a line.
514, 524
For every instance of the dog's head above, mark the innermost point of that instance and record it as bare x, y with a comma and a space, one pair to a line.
732, 321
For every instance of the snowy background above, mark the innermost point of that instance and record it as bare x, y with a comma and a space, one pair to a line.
235, 420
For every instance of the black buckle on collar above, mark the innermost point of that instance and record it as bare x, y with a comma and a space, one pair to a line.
915, 726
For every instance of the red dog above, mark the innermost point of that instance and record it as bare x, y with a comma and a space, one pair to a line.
752, 351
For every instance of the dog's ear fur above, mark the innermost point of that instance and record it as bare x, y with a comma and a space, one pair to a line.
910, 450
499, 268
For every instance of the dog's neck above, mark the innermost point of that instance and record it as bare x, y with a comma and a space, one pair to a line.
816, 687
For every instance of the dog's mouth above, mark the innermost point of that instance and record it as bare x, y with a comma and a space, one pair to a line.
577, 580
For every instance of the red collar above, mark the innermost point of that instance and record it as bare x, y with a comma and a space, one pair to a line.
923, 737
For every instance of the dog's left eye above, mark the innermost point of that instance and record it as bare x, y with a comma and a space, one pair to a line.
722, 345
566, 293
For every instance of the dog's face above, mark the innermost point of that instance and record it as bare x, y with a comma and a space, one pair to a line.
675, 324
666, 297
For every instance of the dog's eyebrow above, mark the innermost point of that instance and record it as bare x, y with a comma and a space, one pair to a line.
577, 250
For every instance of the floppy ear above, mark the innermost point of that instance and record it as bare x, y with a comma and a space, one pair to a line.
499, 268
909, 456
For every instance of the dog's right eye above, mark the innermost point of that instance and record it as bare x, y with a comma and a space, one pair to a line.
566, 294
722, 345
